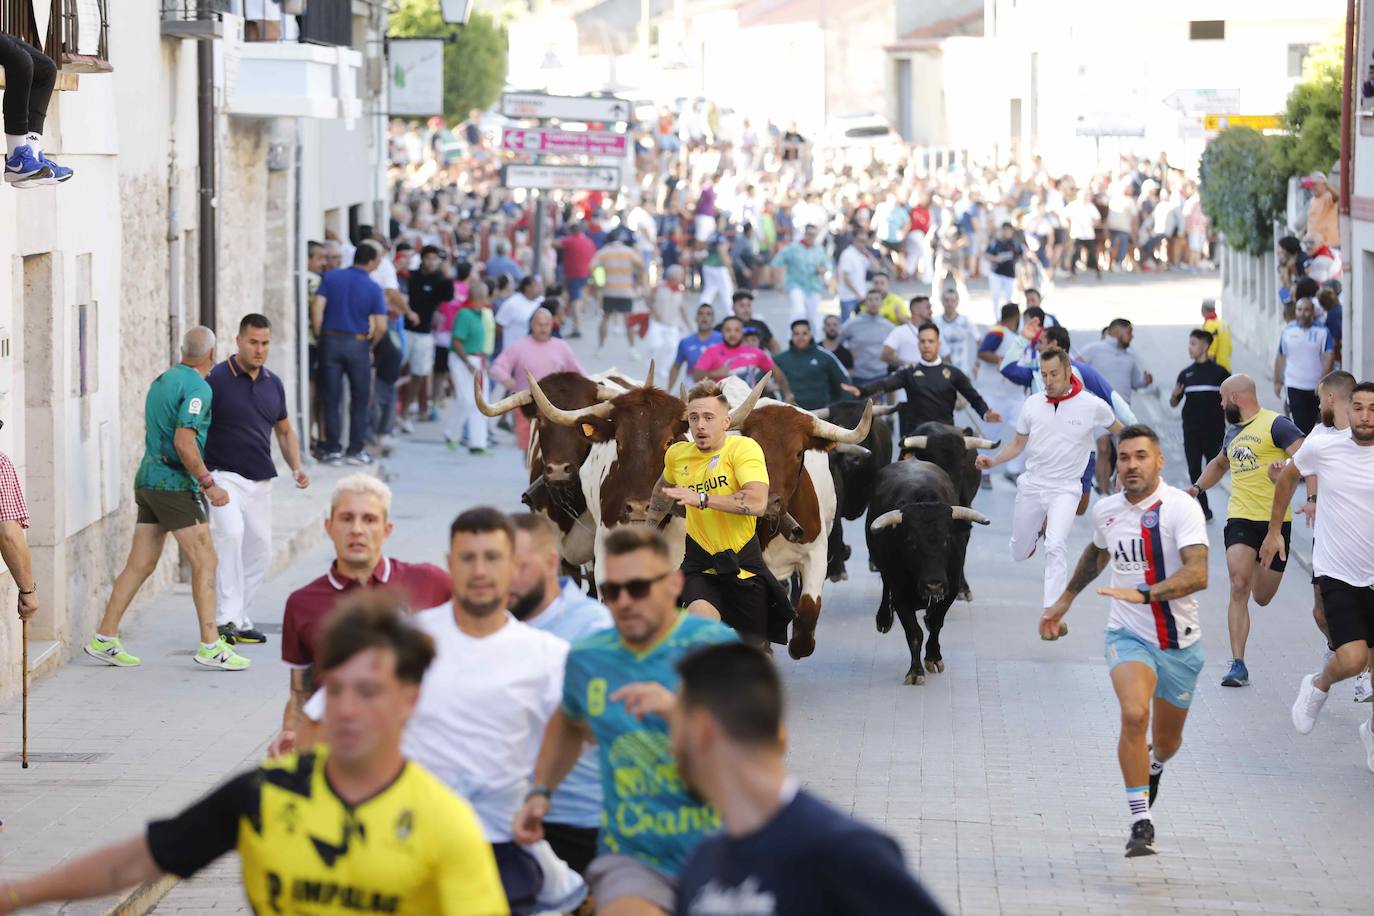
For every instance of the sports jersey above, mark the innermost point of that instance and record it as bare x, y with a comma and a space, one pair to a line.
1250, 448
647, 811
413, 848
1303, 349
1220, 348
1144, 540
719, 473
895, 309
690, 348
958, 338
1061, 433
177, 399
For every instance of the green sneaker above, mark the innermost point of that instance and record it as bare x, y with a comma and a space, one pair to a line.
221, 655
111, 652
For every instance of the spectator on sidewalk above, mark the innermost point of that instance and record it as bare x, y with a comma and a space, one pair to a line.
540, 598
1323, 223
358, 524
728, 742
690, 348
538, 354
14, 546
502, 263
349, 317
428, 288
513, 317
1305, 355
469, 351
250, 405
168, 492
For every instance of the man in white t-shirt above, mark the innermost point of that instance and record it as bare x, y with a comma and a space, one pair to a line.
1306, 354
513, 317
1342, 552
1055, 429
1083, 216
852, 270
958, 336
1155, 539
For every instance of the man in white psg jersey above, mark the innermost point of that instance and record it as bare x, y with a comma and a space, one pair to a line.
1155, 538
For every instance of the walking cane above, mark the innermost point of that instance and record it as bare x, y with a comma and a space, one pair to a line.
24, 745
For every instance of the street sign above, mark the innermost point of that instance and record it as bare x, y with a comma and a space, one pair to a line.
1254, 122
554, 142
1202, 101
561, 177
564, 107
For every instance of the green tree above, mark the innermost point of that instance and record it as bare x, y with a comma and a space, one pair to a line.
1242, 181
1312, 116
474, 65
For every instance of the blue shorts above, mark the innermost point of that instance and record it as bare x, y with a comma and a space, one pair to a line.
575, 286
1176, 670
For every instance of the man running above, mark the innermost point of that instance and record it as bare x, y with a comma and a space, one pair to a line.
1055, 429
690, 348
168, 492
350, 822
1155, 539
1342, 552
1204, 423
1257, 438
650, 821
932, 387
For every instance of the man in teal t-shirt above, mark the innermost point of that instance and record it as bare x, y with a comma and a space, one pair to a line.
167, 495
470, 346
617, 687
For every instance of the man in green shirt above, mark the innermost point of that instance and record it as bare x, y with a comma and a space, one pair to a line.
469, 351
813, 373
167, 492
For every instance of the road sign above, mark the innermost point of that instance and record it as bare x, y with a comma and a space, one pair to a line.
563, 142
561, 177
1254, 122
1202, 101
563, 107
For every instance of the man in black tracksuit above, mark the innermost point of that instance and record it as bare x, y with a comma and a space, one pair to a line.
1204, 423
932, 386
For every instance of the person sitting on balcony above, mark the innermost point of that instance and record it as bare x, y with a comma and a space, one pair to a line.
30, 76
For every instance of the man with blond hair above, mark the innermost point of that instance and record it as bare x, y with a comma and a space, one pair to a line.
359, 523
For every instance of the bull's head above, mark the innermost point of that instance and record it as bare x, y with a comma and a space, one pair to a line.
555, 454
926, 531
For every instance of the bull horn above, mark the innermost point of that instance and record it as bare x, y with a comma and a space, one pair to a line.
915, 441
883, 410
607, 393
890, 519
649, 378
504, 406
824, 429
821, 413
682, 392
741, 413
563, 417
965, 514
979, 442
849, 448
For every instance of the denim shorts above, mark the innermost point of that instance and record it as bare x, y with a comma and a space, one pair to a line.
1176, 670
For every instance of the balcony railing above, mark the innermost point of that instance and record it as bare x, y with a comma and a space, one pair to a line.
77, 36
194, 18
328, 22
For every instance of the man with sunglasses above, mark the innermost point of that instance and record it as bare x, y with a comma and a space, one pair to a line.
612, 689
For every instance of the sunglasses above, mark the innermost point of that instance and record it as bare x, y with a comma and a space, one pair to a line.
638, 588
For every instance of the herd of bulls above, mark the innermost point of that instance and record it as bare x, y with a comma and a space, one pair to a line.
596, 454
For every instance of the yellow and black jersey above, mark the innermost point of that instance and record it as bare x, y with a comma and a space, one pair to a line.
413, 848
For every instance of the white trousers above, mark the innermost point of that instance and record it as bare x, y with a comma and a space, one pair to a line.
917, 252
242, 535
805, 305
1053, 505
463, 415
1002, 290
717, 285
661, 342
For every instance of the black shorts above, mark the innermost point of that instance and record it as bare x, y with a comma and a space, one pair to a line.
616, 305
1349, 611
742, 603
574, 845
521, 877
1251, 533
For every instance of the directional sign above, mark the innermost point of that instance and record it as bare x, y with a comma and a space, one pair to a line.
1254, 122
563, 142
563, 107
561, 177
1202, 101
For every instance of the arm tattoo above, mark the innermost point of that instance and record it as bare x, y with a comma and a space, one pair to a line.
659, 504
741, 504
1092, 562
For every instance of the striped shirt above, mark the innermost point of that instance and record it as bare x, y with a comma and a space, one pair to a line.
622, 265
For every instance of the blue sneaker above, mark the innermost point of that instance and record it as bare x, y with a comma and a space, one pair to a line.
60, 173
1238, 676
24, 169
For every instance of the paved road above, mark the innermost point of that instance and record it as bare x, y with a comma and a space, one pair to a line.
999, 776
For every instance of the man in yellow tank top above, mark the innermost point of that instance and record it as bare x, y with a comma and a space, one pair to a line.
1256, 439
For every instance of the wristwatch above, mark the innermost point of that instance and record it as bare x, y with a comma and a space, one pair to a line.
538, 790
702, 499
1144, 592
1312, 498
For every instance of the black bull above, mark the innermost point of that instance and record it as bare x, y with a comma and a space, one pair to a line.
917, 537
854, 476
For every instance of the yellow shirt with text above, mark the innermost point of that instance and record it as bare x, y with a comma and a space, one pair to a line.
719, 473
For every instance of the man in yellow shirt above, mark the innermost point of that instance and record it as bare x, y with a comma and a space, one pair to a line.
349, 827
894, 307
723, 483
1220, 350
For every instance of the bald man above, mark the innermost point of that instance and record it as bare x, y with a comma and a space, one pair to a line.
1256, 438
169, 492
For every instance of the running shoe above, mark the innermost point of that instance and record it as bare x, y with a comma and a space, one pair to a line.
243, 634
24, 169
1367, 739
228, 632
1238, 676
1308, 705
452, 444
360, 459
1142, 841
479, 452
221, 655
1363, 693
60, 173
111, 652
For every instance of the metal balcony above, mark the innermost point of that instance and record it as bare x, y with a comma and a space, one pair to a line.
76, 34
202, 19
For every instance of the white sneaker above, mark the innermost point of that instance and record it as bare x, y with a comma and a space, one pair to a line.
1367, 739
1307, 705
1363, 692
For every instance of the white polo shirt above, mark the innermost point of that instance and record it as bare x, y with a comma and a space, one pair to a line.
1061, 435
1302, 350
1144, 540
1343, 546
